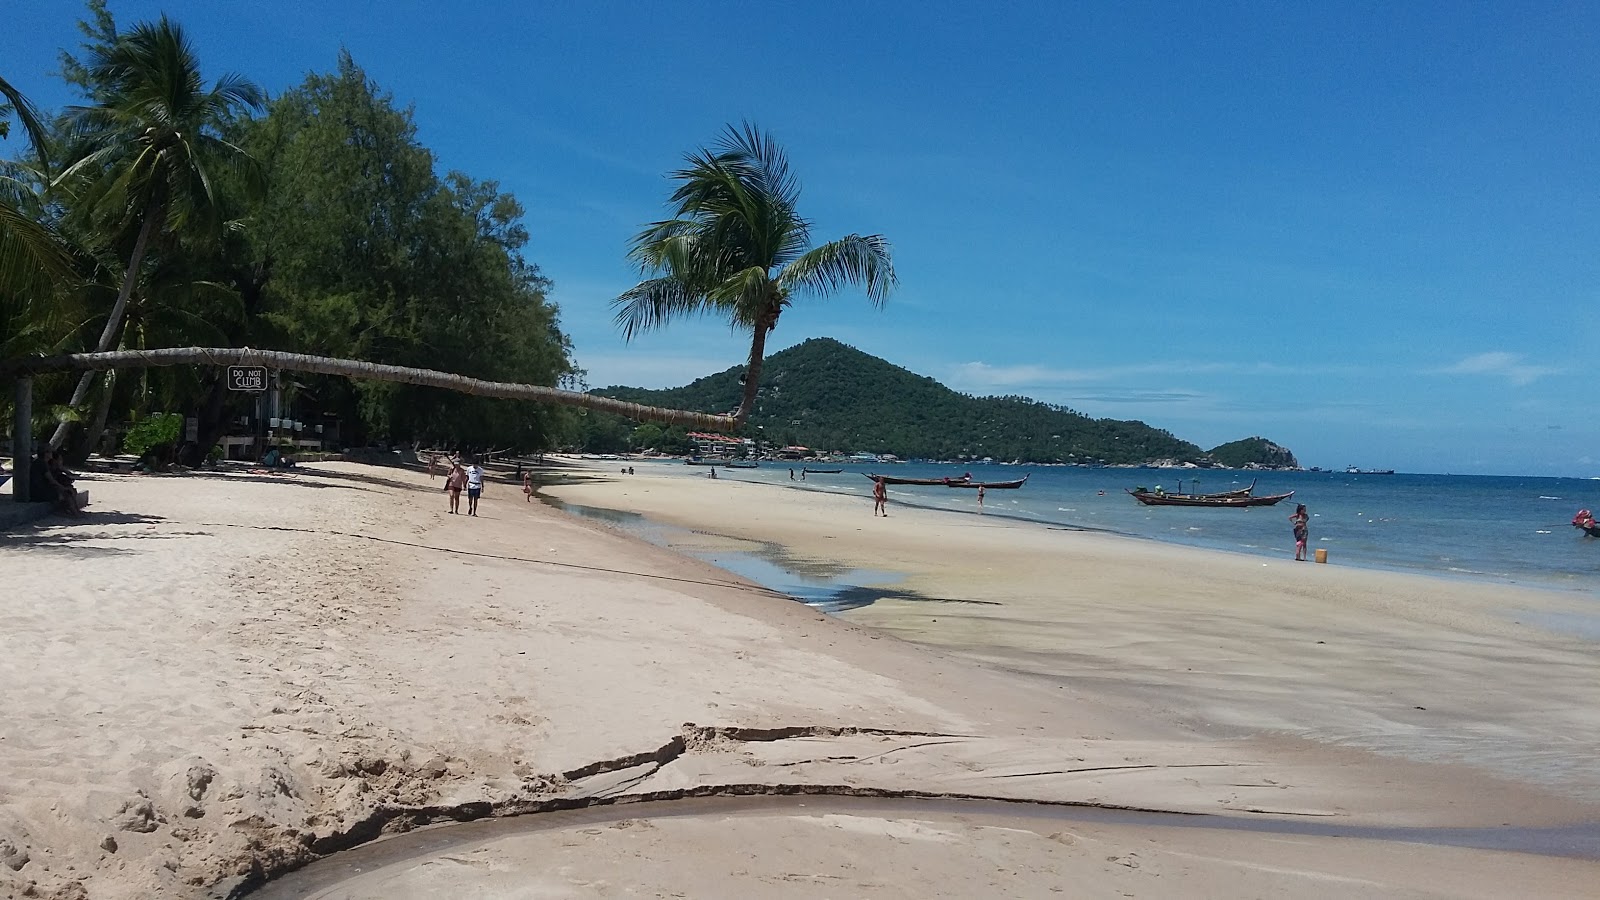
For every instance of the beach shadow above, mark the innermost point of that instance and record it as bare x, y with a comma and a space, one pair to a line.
860, 596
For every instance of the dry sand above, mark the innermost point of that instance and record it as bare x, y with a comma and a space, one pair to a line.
216, 678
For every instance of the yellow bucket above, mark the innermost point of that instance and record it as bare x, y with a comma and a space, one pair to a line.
1322, 555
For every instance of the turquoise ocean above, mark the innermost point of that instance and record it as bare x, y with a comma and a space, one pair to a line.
1506, 529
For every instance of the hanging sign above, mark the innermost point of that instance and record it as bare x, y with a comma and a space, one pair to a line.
247, 378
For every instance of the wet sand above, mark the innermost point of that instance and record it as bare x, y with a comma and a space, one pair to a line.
216, 679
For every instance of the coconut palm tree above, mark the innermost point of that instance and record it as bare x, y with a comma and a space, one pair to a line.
737, 247
144, 154
31, 253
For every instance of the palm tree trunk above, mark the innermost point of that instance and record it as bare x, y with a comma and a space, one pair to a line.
752, 369
114, 322
349, 368
102, 411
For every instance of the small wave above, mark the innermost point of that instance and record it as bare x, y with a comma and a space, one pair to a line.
1543, 497
1543, 532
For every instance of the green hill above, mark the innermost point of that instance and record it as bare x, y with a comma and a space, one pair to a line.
1254, 452
825, 395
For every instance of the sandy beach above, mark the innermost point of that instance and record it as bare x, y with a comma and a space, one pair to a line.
215, 679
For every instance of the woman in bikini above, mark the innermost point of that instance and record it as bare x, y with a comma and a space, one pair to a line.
1302, 530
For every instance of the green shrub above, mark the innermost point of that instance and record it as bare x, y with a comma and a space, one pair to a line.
153, 431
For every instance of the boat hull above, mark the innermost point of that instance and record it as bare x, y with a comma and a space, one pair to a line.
930, 482
1150, 499
991, 485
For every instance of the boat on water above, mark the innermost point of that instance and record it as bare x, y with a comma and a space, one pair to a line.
822, 471
741, 464
935, 482
1352, 470
1162, 498
990, 485
1584, 521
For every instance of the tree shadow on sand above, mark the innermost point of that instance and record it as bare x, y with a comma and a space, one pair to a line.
72, 535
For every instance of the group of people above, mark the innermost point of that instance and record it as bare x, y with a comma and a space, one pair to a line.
468, 476
458, 477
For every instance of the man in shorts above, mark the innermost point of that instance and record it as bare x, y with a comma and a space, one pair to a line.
474, 487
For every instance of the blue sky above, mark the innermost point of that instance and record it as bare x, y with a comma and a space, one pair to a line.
1368, 231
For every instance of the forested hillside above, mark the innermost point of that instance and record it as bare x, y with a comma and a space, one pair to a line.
826, 395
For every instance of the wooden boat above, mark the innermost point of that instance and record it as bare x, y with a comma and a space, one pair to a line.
822, 471
991, 485
937, 482
741, 464
702, 461
1151, 498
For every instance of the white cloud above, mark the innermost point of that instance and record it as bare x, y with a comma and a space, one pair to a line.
1507, 365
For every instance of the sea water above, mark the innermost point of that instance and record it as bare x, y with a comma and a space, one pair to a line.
1493, 528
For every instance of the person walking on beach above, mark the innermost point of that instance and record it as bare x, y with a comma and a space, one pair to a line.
980, 499
474, 487
1302, 530
791, 473
527, 486
454, 481
880, 498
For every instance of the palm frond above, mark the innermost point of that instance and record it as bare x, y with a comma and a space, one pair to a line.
651, 304
31, 253
851, 261
745, 295
28, 116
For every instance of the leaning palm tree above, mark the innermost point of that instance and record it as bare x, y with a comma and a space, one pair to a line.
737, 247
145, 153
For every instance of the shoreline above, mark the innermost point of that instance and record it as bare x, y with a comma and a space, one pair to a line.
1016, 623
1564, 583
217, 678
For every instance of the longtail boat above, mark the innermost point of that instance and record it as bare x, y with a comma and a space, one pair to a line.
937, 482
1151, 498
991, 485
741, 464
822, 471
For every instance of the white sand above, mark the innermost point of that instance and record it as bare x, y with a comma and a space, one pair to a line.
193, 695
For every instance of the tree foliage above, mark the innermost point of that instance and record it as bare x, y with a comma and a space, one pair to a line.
185, 212
1255, 452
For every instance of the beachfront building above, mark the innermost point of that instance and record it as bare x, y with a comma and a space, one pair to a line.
719, 446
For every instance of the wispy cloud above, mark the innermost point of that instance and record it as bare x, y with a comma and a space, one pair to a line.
1506, 365
982, 373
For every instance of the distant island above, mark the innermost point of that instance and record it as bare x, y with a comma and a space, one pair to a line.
829, 397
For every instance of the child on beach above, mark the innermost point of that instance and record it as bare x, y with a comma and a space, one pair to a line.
527, 486
1302, 530
980, 499
880, 498
454, 481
